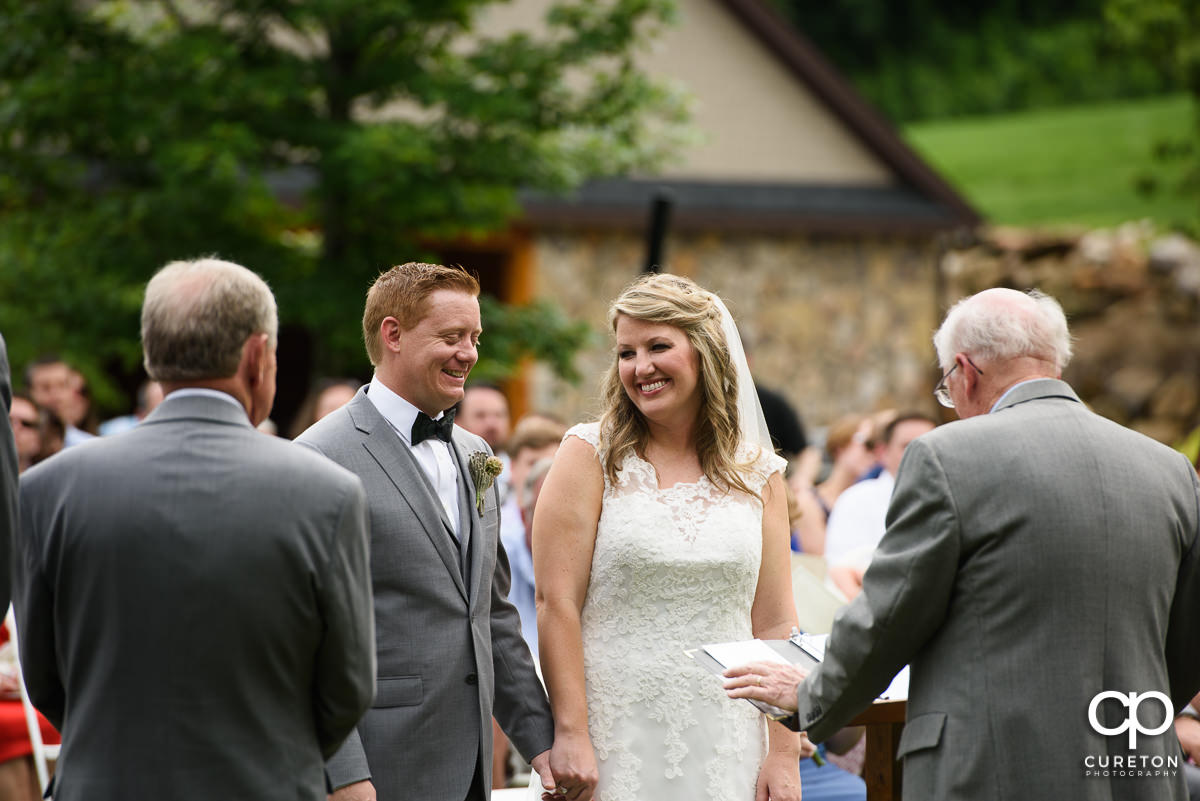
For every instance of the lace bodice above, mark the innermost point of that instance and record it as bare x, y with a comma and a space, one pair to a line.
672, 569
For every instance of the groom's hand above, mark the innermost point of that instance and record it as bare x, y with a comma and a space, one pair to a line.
541, 766
359, 791
773, 682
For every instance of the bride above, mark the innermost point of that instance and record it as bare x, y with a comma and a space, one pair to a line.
662, 527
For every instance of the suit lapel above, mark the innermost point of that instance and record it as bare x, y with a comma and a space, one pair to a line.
402, 469
469, 514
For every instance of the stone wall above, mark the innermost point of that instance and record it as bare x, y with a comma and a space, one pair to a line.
1132, 299
836, 324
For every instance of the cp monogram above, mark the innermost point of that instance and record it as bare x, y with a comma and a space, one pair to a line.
1131, 724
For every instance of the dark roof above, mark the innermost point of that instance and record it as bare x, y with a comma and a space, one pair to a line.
621, 203
921, 202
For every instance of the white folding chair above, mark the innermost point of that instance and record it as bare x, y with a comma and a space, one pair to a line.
42, 753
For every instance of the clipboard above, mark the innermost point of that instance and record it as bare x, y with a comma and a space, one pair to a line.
799, 649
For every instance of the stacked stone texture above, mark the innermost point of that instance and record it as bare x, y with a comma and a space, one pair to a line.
1133, 301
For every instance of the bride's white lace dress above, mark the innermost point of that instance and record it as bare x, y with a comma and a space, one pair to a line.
672, 569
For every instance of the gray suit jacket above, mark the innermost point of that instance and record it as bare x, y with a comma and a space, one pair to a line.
448, 647
194, 610
1034, 557
8, 480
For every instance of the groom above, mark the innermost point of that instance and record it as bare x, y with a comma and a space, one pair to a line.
449, 644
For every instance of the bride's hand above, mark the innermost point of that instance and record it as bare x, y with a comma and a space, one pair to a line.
779, 777
574, 766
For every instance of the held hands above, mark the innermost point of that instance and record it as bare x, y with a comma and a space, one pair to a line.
772, 682
573, 764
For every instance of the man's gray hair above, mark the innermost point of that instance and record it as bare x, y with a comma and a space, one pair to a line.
198, 314
1000, 324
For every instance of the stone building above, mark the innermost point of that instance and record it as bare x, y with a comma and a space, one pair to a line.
799, 205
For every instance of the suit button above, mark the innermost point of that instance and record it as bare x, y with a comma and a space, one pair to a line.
472, 679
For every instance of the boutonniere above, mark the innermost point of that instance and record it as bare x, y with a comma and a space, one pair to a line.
484, 470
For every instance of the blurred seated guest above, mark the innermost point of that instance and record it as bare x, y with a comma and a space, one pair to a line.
879, 421
829, 782
37, 430
149, 395
787, 432
26, 423
1187, 729
848, 446
858, 519
18, 776
484, 412
534, 442
521, 592
327, 395
56, 385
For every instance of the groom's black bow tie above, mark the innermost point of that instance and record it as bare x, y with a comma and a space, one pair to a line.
425, 427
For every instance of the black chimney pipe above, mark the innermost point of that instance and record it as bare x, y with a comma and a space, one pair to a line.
656, 234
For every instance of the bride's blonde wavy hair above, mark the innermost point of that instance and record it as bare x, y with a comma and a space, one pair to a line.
678, 302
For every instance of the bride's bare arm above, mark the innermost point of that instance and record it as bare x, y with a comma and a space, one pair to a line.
564, 535
773, 616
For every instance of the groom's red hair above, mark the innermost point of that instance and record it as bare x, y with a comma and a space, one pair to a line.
401, 293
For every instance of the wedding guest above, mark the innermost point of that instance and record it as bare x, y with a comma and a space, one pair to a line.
661, 527
193, 598
149, 395
1034, 549
25, 417
484, 412
534, 441
857, 521
1187, 729
8, 479
327, 395
59, 387
849, 448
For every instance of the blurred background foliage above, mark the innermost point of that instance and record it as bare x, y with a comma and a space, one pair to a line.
929, 59
311, 140
1042, 112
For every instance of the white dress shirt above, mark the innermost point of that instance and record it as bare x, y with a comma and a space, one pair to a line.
858, 522
434, 456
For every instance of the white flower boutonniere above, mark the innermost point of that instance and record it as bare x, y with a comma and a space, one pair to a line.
484, 470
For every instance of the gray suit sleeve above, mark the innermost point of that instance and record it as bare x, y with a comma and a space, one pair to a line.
33, 604
348, 764
345, 664
905, 596
8, 482
1182, 647
521, 706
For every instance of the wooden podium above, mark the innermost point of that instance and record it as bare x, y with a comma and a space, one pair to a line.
883, 721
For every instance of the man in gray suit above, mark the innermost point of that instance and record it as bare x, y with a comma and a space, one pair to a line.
193, 596
450, 648
1040, 566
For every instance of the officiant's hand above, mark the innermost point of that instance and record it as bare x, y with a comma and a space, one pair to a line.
574, 764
773, 682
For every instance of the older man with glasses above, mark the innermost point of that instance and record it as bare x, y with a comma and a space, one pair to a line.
1041, 575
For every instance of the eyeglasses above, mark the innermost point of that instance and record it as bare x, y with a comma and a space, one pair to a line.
942, 392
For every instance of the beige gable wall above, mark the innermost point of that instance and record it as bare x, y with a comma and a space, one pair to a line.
755, 119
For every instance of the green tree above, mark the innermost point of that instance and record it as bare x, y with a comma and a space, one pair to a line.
1166, 33
315, 141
